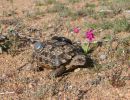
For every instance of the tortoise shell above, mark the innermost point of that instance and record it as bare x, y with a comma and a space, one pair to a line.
56, 52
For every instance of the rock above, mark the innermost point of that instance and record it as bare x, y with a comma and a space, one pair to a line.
96, 81
85, 69
103, 57
77, 70
70, 87
2, 37
114, 45
1, 50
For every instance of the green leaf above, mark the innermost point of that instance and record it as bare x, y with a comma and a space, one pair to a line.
85, 48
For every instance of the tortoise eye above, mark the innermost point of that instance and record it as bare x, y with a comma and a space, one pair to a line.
38, 46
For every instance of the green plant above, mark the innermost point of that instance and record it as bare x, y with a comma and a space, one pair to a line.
73, 1
106, 25
108, 37
90, 5
120, 4
85, 47
61, 9
121, 25
115, 9
74, 16
37, 12
104, 2
104, 14
66, 12
90, 11
13, 41
82, 12
58, 7
89, 35
39, 2
91, 25
50, 1
44, 2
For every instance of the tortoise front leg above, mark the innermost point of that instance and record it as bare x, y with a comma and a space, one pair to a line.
57, 72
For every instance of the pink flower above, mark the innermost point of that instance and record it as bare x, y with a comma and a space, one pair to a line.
90, 35
76, 30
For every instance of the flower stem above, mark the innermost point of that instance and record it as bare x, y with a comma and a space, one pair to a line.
87, 47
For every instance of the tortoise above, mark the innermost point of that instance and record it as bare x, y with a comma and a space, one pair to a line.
59, 54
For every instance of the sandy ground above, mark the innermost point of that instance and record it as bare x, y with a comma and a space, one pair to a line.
89, 83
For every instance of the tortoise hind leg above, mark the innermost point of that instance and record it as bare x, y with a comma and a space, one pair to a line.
57, 72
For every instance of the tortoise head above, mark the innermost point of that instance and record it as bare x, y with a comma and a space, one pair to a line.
78, 60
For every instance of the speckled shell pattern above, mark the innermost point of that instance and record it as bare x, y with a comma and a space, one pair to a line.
55, 54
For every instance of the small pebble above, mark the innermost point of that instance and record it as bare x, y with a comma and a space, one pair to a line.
70, 87
85, 69
77, 70
96, 81
1, 50
102, 56
114, 45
